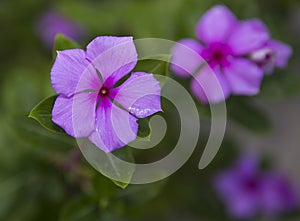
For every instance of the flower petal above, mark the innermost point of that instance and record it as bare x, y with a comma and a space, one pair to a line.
248, 36
210, 85
76, 115
216, 24
243, 76
282, 52
226, 184
278, 194
114, 57
247, 164
243, 206
140, 95
114, 127
186, 57
69, 67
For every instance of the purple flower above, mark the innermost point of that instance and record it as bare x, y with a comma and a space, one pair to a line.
226, 47
52, 23
90, 103
247, 191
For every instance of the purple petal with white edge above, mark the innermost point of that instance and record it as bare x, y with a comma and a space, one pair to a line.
243, 76
68, 68
115, 127
248, 36
186, 57
216, 25
76, 115
114, 57
210, 85
140, 95
282, 52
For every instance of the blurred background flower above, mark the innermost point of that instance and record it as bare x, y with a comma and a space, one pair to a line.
248, 192
51, 22
227, 44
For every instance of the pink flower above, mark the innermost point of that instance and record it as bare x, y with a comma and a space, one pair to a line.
90, 103
226, 45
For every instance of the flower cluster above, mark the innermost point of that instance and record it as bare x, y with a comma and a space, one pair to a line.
238, 53
247, 191
94, 100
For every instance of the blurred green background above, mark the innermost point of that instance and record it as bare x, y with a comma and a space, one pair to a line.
43, 176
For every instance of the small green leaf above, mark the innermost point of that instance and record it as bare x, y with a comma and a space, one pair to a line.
63, 43
42, 113
125, 154
248, 115
120, 184
102, 187
156, 65
144, 128
118, 166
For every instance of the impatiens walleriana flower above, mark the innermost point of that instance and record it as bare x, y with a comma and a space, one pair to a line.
247, 191
236, 53
90, 102
52, 23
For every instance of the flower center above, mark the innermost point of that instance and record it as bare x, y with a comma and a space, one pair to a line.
216, 54
251, 184
103, 92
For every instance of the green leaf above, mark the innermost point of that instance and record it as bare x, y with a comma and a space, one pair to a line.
120, 184
125, 154
42, 113
158, 65
248, 115
102, 187
144, 128
118, 166
63, 43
